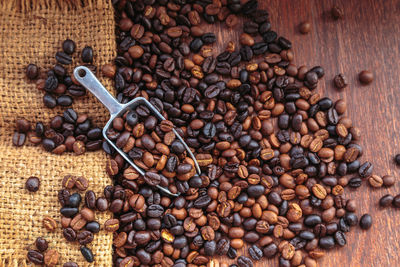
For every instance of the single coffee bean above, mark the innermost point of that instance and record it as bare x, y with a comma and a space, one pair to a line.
63, 58
74, 200
87, 54
396, 201
41, 244
49, 223
85, 237
366, 221
93, 227
397, 159
87, 254
386, 200
32, 71
18, 139
305, 27
35, 257
69, 234
32, 184
340, 81
365, 77
375, 181
388, 180
69, 46
244, 261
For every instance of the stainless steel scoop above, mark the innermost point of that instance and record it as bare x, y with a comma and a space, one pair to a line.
86, 78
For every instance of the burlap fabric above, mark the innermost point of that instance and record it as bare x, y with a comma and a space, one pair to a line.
32, 32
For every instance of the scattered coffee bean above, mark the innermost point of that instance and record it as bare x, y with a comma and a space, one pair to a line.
340, 81
32, 71
32, 184
305, 27
365, 77
366, 221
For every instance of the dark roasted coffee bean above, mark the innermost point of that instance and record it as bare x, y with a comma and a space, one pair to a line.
87, 254
386, 200
366, 221
63, 58
69, 234
396, 201
255, 252
35, 257
32, 184
327, 242
69, 46
69, 212
84, 237
32, 71
270, 250
340, 238
41, 244
93, 227
87, 54
90, 199
243, 261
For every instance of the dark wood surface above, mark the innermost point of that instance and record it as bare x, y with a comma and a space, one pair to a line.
368, 37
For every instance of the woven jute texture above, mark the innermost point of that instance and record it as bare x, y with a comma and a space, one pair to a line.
32, 32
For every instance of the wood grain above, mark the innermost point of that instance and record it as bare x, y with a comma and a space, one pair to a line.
368, 37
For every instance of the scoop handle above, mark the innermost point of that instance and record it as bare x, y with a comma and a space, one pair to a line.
88, 80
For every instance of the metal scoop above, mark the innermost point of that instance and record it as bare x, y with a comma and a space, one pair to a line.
86, 78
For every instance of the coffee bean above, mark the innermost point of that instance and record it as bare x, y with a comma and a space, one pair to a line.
74, 200
41, 244
388, 180
365, 77
87, 254
70, 264
81, 183
93, 227
35, 257
340, 81
375, 181
63, 58
305, 27
386, 200
49, 223
69, 234
255, 252
396, 201
69, 46
18, 139
327, 242
243, 261
32, 184
366, 221
397, 159
87, 54
32, 71
85, 237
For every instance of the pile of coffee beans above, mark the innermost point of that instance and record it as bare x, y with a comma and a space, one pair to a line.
42, 255
60, 88
153, 146
275, 156
78, 221
68, 132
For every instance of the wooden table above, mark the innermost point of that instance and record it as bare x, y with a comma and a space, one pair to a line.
368, 37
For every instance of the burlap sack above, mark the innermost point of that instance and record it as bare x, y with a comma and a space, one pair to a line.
32, 32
